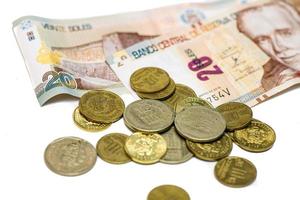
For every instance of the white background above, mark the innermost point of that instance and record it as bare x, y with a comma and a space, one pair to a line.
26, 129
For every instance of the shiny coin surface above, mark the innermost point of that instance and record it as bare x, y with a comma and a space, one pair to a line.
237, 115
235, 171
70, 156
212, 151
101, 106
148, 116
256, 137
192, 101
163, 94
110, 148
149, 80
145, 148
177, 151
168, 192
83, 123
200, 124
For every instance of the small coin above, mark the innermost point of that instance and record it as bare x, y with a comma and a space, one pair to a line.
149, 116
110, 148
237, 115
101, 106
149, 80
192, 101
145, 148
83, 123
70, 156
257, 137
168, 192
235, 171
160, 95
177, 151
200, 124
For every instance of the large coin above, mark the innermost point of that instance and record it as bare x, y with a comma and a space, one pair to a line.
235, 171
177, 151
192, 101
145, 148
86, 125
200, 124
148, 116
257, 137
101, 106
110, 148
168, 192
70, 156
160, 95
212, 151
149, 80
237, 115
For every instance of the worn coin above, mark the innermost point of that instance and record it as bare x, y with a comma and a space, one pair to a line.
146, 148
200, 124
192, 101
149, 80
168, 192
237, 115
235, 171
177, 151
101, 106
110, 148
148, 116
70, 156
160, 95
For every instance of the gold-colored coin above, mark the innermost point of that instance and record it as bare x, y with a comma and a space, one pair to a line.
110, 148
146, 148
257, 137
237, 115
101, 106
192, 101
149, 80
211, 151
86, 125
235, 171
168, 192
160, 95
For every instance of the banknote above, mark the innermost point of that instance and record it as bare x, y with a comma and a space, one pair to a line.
231, 58
68, 56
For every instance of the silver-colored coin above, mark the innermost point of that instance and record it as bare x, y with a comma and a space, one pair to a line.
192, 101
70, 156
148, 116
200, 124
177, 151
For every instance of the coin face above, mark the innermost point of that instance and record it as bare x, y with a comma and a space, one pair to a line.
110, 148
160, 95
168, 192
192, 101
237, 115
200, 124
101, 106
145, 148
211, 151
257, 137
148, 116
86, 125
149, 80
177, 151
235, 171
70, 156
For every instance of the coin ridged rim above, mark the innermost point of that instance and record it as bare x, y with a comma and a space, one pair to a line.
183, 102
179, 190
160, 95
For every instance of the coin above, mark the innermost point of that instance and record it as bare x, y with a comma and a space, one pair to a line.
145, 148
192, 101
83, 123
211, 151
110, 148
257, 137
101, 106
70, 156
177, 151
235, 171
149, 80
200, 124
237, 115
163, 94
148, 116
168, 192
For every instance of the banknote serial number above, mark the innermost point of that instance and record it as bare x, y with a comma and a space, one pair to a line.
219, 94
